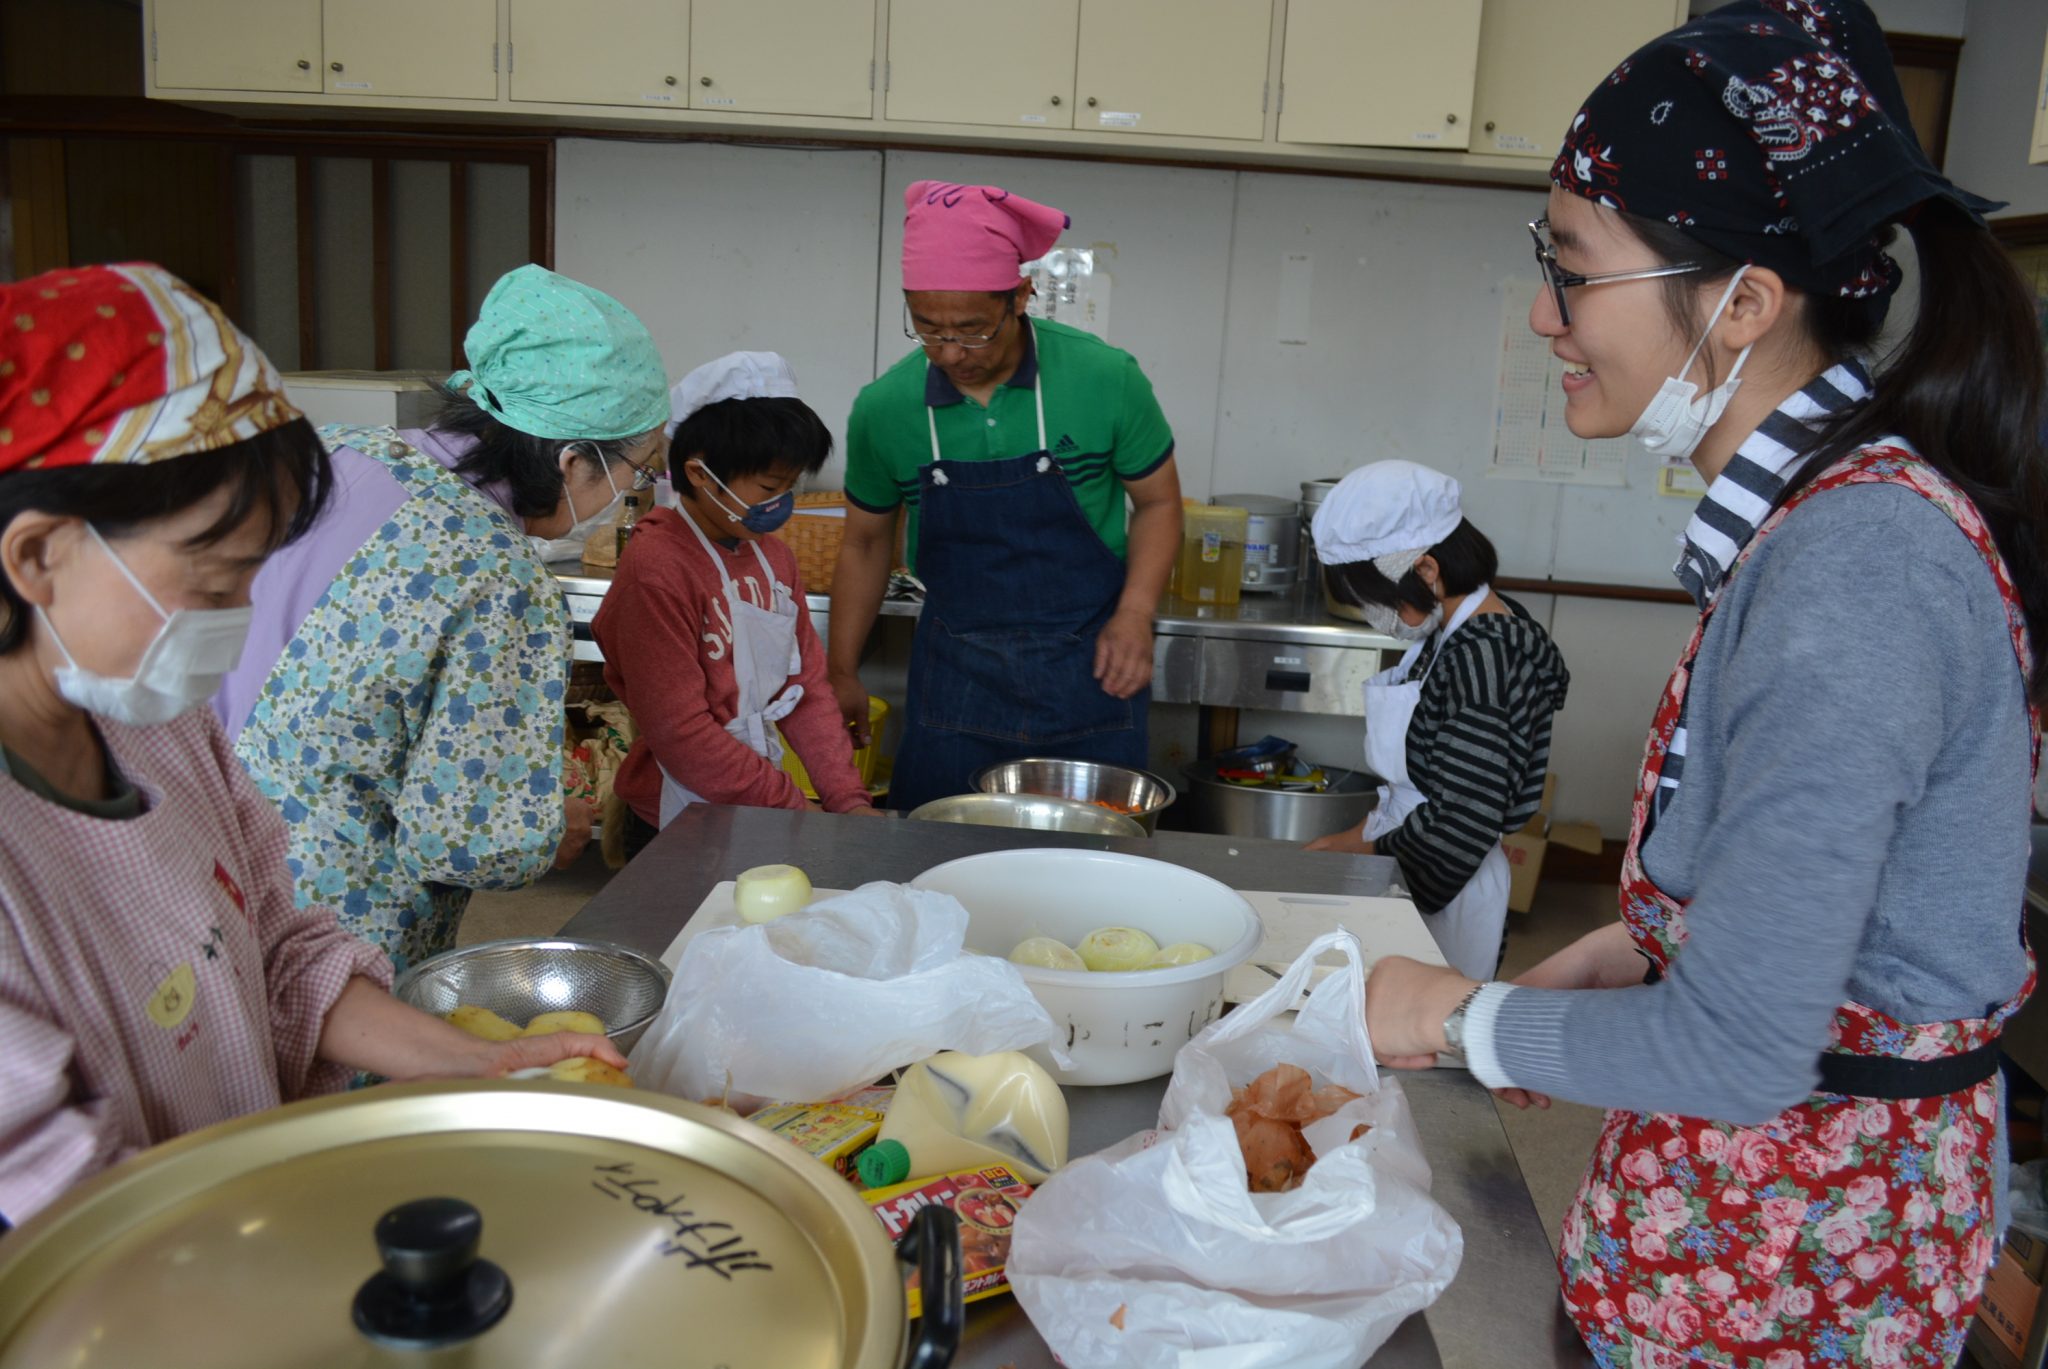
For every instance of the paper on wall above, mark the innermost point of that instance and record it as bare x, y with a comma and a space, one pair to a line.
1531, 441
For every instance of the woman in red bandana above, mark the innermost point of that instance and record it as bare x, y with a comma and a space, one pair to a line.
1795, 1021
155, 975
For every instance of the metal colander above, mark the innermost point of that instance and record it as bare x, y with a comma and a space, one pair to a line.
524, 977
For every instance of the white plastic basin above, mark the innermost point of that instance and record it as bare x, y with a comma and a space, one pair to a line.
1119, 1026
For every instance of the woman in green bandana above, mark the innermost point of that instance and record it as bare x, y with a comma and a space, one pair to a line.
400, 697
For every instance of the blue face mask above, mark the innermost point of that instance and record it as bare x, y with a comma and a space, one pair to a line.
762, 518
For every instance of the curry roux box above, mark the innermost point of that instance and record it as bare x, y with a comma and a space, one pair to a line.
985, 1201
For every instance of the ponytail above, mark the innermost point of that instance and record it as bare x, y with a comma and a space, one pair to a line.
1967, 391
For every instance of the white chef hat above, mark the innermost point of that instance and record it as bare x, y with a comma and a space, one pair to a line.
1390, 508
736, 375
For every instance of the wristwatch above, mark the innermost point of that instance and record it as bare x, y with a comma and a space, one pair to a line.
1454, 1025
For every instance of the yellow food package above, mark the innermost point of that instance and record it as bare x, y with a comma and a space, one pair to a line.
482, 1022
548, 1023
581, 1069
986, 1202
835, 1133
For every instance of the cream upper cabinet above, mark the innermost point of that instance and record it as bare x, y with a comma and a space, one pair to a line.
2040, 152
601, 52
1380, 73
1537, 65
1196, 68
412, 49
1007, 62
784, 57
236, 44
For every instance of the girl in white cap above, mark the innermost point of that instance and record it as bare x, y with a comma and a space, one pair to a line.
1459, 731
705, 633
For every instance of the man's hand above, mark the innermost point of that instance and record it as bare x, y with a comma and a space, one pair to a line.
853, 706
1123, 653
575, 831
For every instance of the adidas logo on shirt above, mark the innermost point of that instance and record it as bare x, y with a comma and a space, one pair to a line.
1066, 446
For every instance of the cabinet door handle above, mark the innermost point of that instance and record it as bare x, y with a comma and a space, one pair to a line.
1055, 99
1489, 125
305, 65
703, 80
1450, 118
1091, 102
334, 66
668, 80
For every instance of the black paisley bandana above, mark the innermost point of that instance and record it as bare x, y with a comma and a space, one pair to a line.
1773, 131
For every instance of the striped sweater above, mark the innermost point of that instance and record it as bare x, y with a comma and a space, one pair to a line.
1478, 749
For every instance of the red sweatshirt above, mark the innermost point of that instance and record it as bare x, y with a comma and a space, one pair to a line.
667, 640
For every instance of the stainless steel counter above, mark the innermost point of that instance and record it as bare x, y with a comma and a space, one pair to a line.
1503, 1306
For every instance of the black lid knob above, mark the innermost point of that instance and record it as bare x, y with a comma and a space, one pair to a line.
434, 1290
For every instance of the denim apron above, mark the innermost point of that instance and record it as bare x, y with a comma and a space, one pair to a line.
1018, 585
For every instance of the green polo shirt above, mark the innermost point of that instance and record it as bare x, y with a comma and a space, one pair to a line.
1102, 424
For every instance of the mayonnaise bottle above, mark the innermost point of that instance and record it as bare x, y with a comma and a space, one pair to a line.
958, 1112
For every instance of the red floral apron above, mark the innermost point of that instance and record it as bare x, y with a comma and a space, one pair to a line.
1844, 1231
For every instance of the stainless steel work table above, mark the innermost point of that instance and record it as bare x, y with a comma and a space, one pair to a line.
1503, 1306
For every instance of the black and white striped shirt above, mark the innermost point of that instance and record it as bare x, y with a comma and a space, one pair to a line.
1478, 749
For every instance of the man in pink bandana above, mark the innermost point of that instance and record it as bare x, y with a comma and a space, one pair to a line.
1010, 445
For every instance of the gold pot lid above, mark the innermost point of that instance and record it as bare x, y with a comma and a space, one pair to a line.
631, 1229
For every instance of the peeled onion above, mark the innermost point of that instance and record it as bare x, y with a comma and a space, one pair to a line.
767, 892
1117, 948
1046, 954
1179, 953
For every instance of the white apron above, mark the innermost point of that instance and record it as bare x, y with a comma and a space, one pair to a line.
1468, 930
765, 656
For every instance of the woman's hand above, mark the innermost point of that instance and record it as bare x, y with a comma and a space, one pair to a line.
538, 1052
1604, 959
575, 831
1406, 1003
367, 1029
1350, 841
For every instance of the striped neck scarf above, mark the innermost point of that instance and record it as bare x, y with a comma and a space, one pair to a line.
1743, 495
1737, 504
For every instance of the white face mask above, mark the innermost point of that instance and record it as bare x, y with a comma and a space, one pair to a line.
582, 527
1678, 417
182, 667
1385, 618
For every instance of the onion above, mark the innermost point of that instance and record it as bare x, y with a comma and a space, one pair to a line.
1046, 954
1179, 953
1117, 948
767, 892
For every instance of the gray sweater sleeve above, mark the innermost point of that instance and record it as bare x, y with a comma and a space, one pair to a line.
1849, 662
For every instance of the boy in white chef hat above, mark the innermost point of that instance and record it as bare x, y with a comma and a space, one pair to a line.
705, 633
1459, 730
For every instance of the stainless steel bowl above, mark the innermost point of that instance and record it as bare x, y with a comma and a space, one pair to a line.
524, 977
1245, 810
1137, 794
1036, 812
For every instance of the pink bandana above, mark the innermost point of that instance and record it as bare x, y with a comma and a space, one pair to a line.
972, 237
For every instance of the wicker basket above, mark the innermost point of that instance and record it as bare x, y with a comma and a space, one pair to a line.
814, 533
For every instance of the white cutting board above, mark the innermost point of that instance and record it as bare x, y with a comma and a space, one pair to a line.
1383, 926
717, 910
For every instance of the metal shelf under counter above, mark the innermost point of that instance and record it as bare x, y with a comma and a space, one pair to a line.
1282, 652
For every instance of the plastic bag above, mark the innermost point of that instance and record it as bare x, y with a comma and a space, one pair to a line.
1155, 1254
831, 998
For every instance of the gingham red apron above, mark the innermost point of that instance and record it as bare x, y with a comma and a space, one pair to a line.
1844, 1231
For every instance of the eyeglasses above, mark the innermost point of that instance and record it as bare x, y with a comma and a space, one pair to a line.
643, 476
972, 342
1561, 280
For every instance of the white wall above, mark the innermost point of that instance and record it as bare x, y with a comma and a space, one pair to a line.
726, 249
1997, 85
